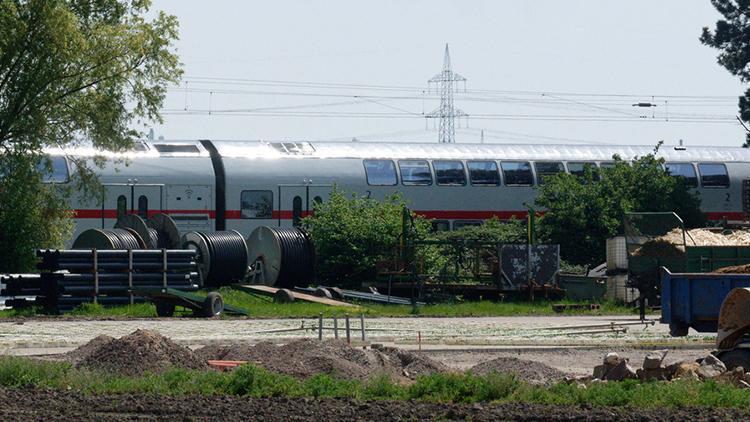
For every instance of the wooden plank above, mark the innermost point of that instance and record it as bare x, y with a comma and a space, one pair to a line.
259, 288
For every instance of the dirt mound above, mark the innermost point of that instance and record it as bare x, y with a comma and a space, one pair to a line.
737, 269
89, 348
139, 352
305, 358
527, 370
672, 244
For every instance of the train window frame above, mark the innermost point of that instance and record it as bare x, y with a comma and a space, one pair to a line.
367, 172
506, 178
459, 224
460, 163
265, 216
540, 176
695, 176
440, 226
58, 165
410, 183
497, 173
594, 168
702, 181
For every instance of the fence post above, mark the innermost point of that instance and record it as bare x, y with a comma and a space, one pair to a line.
348, 333
362, 325
335, 327
320, 326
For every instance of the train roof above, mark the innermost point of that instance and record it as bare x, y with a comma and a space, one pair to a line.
424, 150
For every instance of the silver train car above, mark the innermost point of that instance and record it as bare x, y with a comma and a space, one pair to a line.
230, 185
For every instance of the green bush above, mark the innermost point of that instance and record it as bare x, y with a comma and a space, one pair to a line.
353, 233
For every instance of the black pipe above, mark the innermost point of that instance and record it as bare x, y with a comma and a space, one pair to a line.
220, 183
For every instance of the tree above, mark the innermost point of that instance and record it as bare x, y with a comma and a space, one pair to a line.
732, 37
582, 212
72, 72
353, 233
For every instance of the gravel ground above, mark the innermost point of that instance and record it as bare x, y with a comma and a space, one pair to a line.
67, 405
533, 331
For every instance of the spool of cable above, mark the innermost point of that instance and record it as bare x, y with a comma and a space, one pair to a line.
108, 239
136, 225
221, 256
287, 256
168, 234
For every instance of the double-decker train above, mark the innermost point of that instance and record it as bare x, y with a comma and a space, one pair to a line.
231, 185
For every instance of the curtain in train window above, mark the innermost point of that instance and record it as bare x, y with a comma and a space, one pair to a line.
517, 173
449, 173
545, 169
415, 172
483, 173
256, 203
684, 170
296, 211
143, 206
122, 206
713, 175
380, 172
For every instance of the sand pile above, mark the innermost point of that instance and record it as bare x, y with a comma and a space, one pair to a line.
672, 243
737, 269
305, 358
137, 353
526, 370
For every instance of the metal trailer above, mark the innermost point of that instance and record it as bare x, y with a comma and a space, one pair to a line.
167, 299
693, 300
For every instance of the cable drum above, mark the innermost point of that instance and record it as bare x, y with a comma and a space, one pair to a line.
108, 239
287, 256
153, 238
221, 256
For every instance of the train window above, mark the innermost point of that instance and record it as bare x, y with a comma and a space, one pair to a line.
122, 206
517, 173
483, 173
143, 206
256, 203
465, 223
607, 164
415, 172
578, 169
380, 172
57, 172
449, 173
296, 211
684, 170
713, 175
546, 169
441, 225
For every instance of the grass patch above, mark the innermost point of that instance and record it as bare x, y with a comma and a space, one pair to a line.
252, 381
264, 307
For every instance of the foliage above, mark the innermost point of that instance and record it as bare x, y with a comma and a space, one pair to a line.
493, 230
353, 233
732, 38
248, 380
32, 213
72, 72
581, 212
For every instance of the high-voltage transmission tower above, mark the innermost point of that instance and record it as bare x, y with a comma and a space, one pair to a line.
445, 82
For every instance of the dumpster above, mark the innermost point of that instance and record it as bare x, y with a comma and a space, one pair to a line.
693, 300
581, 287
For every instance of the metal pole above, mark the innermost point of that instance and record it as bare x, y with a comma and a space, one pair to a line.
130, 274
96, 275
348, 333
320, 326
335, 327
164, 267
362, 325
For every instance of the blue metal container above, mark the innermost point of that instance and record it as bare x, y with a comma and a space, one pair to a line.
693, 300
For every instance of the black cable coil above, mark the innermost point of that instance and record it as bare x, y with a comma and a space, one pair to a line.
297, 257
228, 257
153, 239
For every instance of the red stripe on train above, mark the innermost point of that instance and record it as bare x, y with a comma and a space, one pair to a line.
433, 214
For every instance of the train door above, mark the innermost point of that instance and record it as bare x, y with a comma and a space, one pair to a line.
297, 201
190, 207
121, 199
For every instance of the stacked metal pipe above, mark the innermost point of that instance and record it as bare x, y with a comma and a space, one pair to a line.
69, 278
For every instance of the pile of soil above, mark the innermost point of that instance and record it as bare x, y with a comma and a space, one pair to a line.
305, 358
526, 370
737, 269
135, 354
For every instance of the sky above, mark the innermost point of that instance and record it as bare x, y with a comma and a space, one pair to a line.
542, 71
